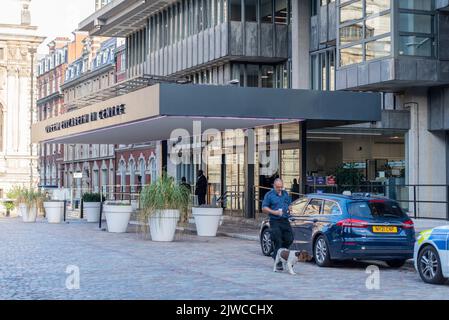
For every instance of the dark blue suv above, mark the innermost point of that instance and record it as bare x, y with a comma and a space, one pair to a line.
338, 227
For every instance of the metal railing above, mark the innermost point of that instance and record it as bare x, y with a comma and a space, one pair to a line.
422, 201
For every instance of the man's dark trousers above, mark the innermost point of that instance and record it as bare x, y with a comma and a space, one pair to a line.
201, 199
281, 234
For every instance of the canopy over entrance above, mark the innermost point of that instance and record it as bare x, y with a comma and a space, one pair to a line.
152, 113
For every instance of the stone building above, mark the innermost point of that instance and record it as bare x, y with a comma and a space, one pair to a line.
18, 46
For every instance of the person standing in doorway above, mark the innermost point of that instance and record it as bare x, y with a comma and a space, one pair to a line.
277, 204
201, 188
295, 190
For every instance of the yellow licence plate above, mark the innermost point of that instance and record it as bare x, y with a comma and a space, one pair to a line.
385, 229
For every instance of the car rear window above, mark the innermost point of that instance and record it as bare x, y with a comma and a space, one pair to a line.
376, 208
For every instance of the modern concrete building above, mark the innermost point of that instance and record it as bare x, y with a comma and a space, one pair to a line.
18, 58
395, 48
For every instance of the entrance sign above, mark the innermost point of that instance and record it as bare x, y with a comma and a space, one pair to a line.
106, 113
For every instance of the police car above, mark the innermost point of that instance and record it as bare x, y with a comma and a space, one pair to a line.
431, 255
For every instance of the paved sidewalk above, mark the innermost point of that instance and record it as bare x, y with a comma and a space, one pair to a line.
35, 257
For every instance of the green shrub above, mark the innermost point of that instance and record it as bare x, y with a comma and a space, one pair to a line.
93, 197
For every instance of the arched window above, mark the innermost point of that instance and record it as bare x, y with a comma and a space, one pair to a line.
142, 172
132, 175
54, 173
153, 168
122, 177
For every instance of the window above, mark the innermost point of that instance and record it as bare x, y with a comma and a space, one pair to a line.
266, 11
251, 10
425, 5
280, 12
362, 23
2, 53
377, 26
236, 10
378, 48
153, 168
351, 55
352, 11
376, 208
264, 76
417, 28
331, 207
298, 207
323, 70
376, 6
314, 207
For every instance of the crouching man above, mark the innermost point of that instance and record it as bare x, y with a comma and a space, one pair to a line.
277, 205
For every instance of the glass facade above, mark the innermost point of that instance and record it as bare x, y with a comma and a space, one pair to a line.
189, 17
323, 69
416, 28
364, 30
261, 75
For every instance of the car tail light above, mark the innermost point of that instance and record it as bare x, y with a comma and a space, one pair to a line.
352, 223
408, 224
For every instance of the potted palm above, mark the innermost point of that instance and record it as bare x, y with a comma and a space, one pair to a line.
30, 202
207, 218
117, 215
92, 204
54, 210
162, 204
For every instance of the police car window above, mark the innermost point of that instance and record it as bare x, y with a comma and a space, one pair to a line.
331, 207
298, 207
314, 207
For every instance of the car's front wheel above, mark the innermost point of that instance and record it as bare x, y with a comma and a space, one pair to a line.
429, 266
266, 243
321, 252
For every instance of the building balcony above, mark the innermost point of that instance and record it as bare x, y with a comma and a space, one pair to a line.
393, 74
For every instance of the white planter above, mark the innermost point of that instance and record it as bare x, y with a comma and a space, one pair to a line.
92, 211
117, 217
54, 211
28, 215
207, 220
163, 225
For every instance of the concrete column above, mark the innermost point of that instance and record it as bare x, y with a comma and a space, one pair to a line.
301, 44
427, 154
249, 174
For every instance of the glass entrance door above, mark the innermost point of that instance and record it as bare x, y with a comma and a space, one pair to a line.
290, 166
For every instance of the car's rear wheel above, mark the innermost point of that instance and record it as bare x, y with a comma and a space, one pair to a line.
321, 252
429, 266
266, 243
396, 263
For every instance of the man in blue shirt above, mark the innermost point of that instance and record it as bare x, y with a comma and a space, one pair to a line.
277, 205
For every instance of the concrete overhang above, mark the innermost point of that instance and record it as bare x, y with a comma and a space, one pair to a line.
121, 17
153, 113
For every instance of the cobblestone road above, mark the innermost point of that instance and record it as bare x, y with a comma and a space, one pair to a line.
34, 259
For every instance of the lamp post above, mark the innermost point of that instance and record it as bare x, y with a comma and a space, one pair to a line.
73, 174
